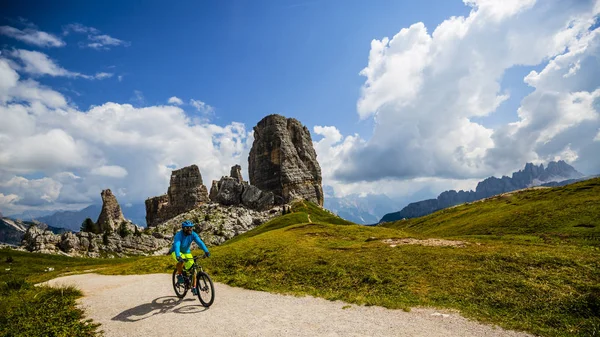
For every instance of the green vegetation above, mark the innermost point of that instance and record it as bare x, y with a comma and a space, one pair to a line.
124, 230
568, 214
531, 261
88, 226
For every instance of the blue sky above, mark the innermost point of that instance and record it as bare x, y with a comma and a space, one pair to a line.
245, 58
400, 97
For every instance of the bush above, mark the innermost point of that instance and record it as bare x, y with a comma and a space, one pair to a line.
105, 237
124, 230
88, 226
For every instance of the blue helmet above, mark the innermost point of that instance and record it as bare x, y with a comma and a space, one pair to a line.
187, 223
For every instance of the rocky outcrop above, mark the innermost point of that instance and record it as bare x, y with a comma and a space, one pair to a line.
186, 192
530, 176
12, 231
283, 161
217, 223
110, 217
233, 191
87, 244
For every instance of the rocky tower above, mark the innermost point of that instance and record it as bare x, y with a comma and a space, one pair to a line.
236, 173
283, 161
186, 192
110, 217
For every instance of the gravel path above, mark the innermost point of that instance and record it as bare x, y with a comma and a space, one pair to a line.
145, 305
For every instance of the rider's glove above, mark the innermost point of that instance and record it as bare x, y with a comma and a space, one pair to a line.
180, 259
206, 254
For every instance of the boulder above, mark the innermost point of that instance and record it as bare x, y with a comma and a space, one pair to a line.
230, 191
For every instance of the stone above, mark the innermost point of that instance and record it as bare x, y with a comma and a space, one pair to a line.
230, 191
254, 198
111, 216
214, 190
236, 173
69, 242
186, 192
283, 161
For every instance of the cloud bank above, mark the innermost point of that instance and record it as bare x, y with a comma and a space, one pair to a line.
426, 92
131, 150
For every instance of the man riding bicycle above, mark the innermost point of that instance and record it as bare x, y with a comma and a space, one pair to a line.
181, 249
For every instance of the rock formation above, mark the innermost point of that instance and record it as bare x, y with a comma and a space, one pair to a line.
95, 245
283, 161
110, 217
233, 191
531, 175
186, 192
217, 223
236, 173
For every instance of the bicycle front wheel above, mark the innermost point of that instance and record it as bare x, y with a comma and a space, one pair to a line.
180, 288
205, 288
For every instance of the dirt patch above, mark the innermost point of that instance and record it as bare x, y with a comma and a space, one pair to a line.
426, 242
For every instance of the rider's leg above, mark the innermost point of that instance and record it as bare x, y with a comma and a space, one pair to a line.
189, 260
179, 265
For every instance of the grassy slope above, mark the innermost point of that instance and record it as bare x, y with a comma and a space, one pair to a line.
518, 281
570, 212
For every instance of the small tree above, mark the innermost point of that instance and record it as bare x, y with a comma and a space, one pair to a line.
105, 237
88, 226
123, 230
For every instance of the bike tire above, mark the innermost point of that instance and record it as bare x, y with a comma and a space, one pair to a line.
205, 289
180, 289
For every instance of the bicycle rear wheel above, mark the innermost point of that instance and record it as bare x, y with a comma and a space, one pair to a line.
205, 288
180, 288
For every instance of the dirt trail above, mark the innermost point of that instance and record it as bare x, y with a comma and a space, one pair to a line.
145, 305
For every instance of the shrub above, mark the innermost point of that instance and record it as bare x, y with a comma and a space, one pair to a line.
124, 230
88, 226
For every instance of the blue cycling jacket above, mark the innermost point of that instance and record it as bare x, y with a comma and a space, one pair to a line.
182, 243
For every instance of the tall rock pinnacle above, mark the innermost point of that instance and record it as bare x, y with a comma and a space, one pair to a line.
110, 217
283, 160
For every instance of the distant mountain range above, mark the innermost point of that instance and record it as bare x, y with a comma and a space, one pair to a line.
364, 210
556, 174
72, 220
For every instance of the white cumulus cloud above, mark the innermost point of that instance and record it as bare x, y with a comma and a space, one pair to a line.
118, 146
113, 171
426, 91
175, 100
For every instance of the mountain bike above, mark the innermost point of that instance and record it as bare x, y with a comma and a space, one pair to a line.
195, 275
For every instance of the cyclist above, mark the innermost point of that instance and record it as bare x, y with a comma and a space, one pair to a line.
181, 249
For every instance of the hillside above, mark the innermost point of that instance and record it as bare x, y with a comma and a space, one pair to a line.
569, 212
526, 261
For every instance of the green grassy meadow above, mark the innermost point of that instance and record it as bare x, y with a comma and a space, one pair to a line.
531, 262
